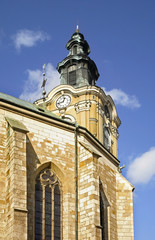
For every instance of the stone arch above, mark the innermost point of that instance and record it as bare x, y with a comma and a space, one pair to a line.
54, 167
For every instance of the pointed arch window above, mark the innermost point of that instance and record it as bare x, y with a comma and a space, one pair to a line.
47, 206
104, 205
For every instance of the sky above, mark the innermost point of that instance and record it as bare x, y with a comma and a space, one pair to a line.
121, 35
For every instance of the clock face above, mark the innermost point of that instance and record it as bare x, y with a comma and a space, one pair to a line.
63, 101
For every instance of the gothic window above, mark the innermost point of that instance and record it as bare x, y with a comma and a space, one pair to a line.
47, 206
107, 138
103, 214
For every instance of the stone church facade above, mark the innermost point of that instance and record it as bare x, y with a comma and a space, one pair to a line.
60, 177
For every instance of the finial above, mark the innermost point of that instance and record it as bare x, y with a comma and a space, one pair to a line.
44, 82
77, 29
44, 66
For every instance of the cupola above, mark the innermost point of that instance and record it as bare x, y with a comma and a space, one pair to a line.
77, 69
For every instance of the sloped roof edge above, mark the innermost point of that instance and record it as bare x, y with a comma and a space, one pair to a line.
26, 105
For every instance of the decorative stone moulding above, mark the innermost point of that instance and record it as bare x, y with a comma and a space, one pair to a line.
100, 110
82, 106
114, 131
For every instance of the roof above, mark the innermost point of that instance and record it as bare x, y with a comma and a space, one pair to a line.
26, 105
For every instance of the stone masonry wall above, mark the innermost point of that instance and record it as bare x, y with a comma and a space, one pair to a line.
88, 195
94, 170
50, 145
124, 209
44, 144
23, 154
3, 138
107, 174
16, 186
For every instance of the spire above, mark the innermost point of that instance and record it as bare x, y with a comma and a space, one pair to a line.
77, 29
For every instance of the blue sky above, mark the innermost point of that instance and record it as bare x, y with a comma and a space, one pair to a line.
121, 35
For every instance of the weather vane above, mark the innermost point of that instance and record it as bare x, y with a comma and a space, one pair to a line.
44, 83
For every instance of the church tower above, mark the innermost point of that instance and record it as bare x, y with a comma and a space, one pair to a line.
78, 99
60, 177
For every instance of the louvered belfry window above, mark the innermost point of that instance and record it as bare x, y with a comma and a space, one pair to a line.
47, 206
72, 78
72, 75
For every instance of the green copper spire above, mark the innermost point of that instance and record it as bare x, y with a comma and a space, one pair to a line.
77, 69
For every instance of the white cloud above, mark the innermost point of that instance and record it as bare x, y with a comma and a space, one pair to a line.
142, 169
28, 38
32, 87
122, 98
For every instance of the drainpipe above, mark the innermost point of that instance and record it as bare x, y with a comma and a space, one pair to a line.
76, 184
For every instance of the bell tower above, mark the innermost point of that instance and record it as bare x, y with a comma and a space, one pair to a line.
78, 99
77, 69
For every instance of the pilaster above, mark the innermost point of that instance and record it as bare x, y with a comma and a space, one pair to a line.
124, 198
16, 197
88, 196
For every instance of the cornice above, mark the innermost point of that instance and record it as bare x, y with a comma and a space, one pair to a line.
74, 91
39, 116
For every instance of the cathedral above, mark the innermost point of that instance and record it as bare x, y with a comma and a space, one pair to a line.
60, 177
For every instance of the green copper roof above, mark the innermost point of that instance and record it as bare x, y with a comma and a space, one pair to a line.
26, 105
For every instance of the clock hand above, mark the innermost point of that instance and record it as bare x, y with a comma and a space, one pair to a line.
61, 101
